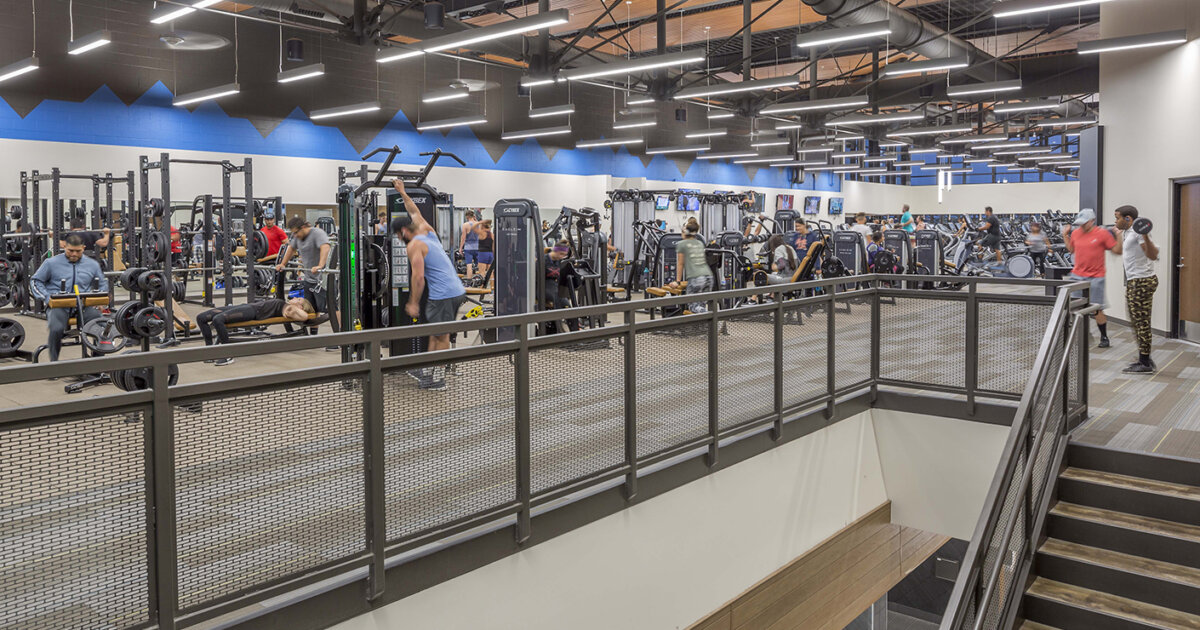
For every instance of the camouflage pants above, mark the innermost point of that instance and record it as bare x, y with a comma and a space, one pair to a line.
1139, 298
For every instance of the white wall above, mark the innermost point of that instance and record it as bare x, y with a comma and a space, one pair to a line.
669, 561
967, 198
937, 470
1149, 101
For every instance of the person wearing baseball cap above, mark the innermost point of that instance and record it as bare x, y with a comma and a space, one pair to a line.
1089, 243
275, 234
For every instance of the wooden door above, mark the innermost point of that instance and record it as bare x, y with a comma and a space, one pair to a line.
1189, 253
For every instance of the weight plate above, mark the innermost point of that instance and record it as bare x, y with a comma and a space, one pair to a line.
12, 335
154, 284
157, 207
123, 318
149, 322
159, 246
16, 213
20, 295
5, 295
16, 269
258, 245
1142, 225
102, 337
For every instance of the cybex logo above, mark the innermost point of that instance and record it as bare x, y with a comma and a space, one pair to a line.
510, 210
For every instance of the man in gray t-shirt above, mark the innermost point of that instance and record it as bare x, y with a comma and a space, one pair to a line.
312, 243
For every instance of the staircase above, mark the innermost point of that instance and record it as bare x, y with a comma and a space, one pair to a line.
1122, 546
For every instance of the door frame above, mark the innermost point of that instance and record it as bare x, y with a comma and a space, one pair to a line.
1176, 219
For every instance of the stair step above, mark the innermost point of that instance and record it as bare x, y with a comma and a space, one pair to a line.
1132, 495
1142, 579
1033, 625
1128, 482
1142, 465
1142, 536
1068, 606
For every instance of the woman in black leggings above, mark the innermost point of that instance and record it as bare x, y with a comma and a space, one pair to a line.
295, 309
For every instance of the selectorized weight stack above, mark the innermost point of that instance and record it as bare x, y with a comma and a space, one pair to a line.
519, 286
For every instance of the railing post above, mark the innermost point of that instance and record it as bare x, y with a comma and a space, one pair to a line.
876, 339
714, 415
375, 466
631, 445
524, 448
830, 359
162, 442
972, 350
777, 433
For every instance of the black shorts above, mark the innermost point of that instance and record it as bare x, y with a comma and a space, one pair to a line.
991, 241
441, 311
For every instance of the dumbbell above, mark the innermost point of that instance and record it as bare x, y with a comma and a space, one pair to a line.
1142, 225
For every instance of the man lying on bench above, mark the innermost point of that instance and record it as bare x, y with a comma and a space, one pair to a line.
220, 318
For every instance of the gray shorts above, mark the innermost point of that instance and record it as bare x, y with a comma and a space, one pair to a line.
441, 311
1096, 294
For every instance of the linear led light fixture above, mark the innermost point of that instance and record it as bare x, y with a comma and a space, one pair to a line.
827, 167
680, 148
1069, 121
875, 119
396, 53
960, 171
719, 114
818, 149
881, 158
909, 163
344, 110
1000, 165
845, 102
788, 126
825, 37
707, 133
770, 143
848, 154
800, 163
1025, 151
19, 68
978, 160
89, 42
1000, 145
536, 133
1021, 169
930, 131
1059, 162
645, 100
631, 66
556, 110
972, 139
171, 12
765, 160
448, 94
847, 168
495, 31
928, 65
1166, 38
916, 151
461, 121
606, 142
1024, 7
634, 123
196, 97
938, 167
1041, 158
1027, 106
532, 81
871, 171
967, 89
301, 73
850, 138
728, 155
891, 144
737, 87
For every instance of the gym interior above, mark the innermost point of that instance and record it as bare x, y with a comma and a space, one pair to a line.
736, 314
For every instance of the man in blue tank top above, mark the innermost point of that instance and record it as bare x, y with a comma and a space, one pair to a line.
429, 266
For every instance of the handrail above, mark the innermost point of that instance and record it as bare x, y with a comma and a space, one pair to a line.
1064, 321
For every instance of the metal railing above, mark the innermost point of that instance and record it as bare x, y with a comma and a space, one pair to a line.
992, 579
174, 505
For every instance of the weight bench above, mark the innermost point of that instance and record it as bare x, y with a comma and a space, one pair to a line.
316, 319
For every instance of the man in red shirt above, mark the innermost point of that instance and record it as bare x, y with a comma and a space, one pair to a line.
1088, 243
176, 248
275, 234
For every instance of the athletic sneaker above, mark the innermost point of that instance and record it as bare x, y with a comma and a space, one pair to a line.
224, 361
1138, 368
419, 374
1104, 343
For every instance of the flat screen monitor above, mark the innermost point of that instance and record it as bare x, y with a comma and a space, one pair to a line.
835, 205
760, 201
812, 205
784, 202
662, 202
688, 201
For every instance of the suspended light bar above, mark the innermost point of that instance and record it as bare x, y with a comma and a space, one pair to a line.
301, 73
1000, 145
1023, 7
770, 143
461, 121
681, 148
960, 171
920, 151
871, 171
848, 154
719, 114
930, 131
1025, 151
632, 65
979, 160
1027, 106
345, 110
765, 160
171, 12
850, 138
881, 158
800, 163
740, 86
891, 144
787, 126
196, 97
827, 167
1042, 158
707, 133
816, 149
536, 133
972, 139
396, 53
19, 68
534, 81
909, 163
1000, 165
633, 123
929, 65
606, 142
645, 100
968, 89
448, 94
847, 168
846, 102
728, 155
495, 31
825, 37
875, 119
556, 110
89, 42
1066, 122
1166, 38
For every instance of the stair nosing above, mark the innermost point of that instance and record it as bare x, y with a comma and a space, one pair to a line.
1066, 474
1097, 563
1055, 511
1099, 611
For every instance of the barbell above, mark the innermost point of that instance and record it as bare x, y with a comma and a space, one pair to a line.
1142, 225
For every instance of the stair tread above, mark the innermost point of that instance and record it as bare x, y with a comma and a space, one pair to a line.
1133, 483
1113, 605
1158, 569
1033, 625
1157, 526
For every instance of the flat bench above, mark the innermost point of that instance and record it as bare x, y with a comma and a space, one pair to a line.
315, 319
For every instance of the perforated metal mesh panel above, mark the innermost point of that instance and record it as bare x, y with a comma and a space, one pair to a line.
923, 341
576, 411
73, 525
672, 387
449, 454
268, 485
1075, 375
852, 320
1009, 336
746, 368
805, 330
1007, 556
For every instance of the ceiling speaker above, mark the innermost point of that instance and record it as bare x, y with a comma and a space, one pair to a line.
681, 115
435, 16
295, 49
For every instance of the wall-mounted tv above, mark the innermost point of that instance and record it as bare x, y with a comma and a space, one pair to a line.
688, 200
812, 205
662, 202
760, 202
835, 205
784, 202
